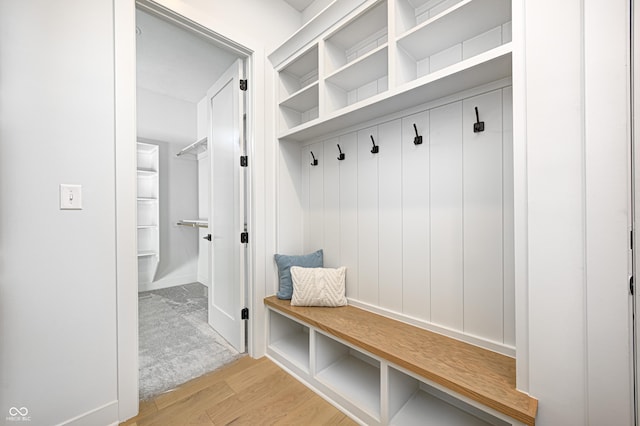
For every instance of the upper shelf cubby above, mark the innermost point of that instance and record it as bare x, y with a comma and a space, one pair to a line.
356, 59
387, 55
362, 35
299, 74
299, 93
466, 29
410, 13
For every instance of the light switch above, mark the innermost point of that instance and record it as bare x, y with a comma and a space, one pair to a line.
70, 197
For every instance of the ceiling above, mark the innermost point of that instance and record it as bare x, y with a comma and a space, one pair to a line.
175, 62
299, 5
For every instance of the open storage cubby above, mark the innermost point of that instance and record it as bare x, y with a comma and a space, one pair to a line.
147, 185
397, 374
299, 93
438, 42
350, 373
147, 240
289, 339
410, 13
356, 59
412, 402
148, 211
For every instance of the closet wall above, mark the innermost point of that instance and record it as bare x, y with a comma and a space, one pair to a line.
161, 119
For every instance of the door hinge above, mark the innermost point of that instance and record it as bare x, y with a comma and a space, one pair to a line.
244, 237
244, 314
631, 285
244, 85
631, 240
244, 161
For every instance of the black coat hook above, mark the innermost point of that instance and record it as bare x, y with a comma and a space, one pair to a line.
418, 139
478, 126
375, 148
315, 160
341, 156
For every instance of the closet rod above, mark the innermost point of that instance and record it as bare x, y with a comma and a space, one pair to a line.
194, 224
202, 143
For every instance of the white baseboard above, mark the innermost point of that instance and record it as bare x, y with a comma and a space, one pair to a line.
167, 282
105, 415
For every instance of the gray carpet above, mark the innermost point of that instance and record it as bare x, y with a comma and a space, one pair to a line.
176, 343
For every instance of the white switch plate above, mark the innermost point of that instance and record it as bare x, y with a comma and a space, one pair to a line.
70, 197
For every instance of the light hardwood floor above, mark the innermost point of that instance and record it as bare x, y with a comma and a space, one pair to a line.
246, 392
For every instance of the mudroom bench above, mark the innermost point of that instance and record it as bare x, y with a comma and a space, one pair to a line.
383, 371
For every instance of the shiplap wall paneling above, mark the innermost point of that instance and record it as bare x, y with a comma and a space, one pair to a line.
445, 125
508, 262
368, 216
315, 213
349, 211
291, 211
482, 207
305, 196
415, 218
331, 188
390, 285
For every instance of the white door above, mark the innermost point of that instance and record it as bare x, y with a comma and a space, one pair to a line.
226, 219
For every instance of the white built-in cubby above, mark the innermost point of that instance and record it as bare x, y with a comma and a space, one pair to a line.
389, 55
438, 42
148, 211
424, 223
371, 389
356, 60
289, 340
414, 402
299, 94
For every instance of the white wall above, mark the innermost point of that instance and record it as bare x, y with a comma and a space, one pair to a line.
178, 200
577, 157
58, 277
58, 355
264, 23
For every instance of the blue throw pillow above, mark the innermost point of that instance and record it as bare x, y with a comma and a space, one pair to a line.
284, 262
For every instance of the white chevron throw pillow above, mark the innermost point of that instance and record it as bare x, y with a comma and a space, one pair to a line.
318, 286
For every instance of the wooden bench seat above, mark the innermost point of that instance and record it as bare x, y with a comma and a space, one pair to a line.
479, 374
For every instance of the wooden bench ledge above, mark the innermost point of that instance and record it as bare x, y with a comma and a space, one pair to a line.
480, 374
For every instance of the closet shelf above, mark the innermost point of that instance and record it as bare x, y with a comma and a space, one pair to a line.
488, 67
147, 253
441, 31
147, 172
304, 99
366, 68
194, 149
195, 223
